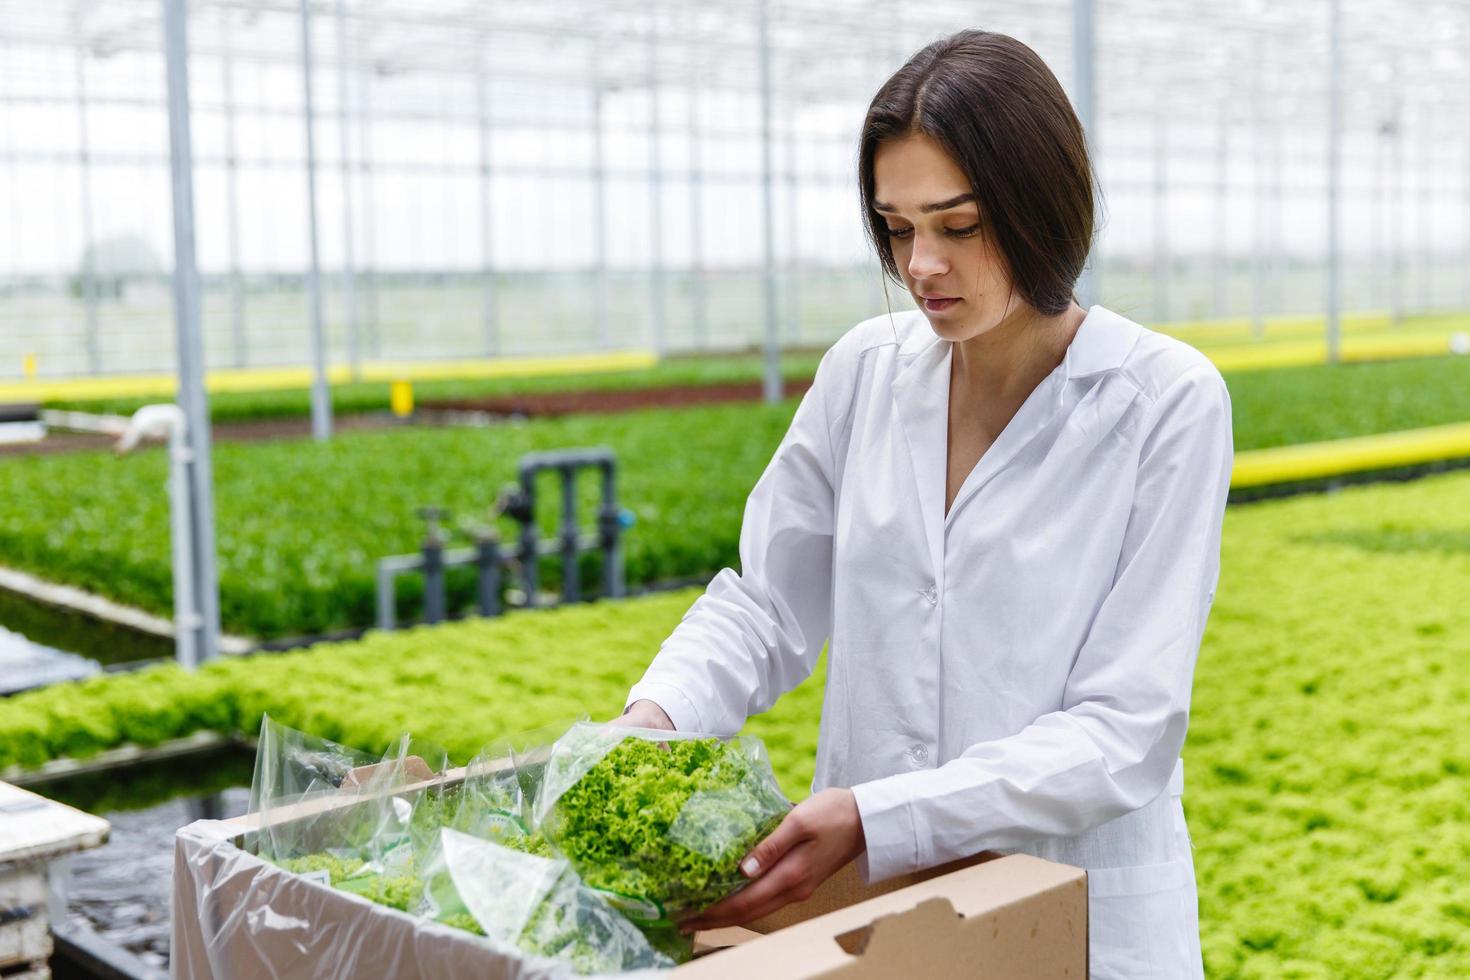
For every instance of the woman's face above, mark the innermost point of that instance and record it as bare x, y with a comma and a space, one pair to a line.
956, 276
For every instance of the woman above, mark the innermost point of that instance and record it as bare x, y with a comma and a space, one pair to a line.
1004, 511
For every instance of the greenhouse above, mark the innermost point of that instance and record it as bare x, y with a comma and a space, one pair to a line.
489, 473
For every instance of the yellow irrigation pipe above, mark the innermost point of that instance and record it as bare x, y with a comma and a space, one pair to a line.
267, 379
1268, 356
1262, 355
1318, 460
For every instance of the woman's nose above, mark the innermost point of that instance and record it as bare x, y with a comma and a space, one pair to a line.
927, 259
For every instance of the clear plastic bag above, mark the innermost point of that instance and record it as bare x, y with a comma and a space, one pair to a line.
534, 903
657, 821
584, 848
339, 815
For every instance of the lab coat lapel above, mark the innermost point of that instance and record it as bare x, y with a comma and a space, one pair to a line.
1102, 341
1030, 420
921, 395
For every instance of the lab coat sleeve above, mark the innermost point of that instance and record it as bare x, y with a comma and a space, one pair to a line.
756, 633
1113, 746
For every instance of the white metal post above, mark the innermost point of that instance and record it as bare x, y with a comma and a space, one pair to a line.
599, 211
192, 398
1376, 251
89, 256
489, 302
698, 286
1222, 211
772, 380
344, 143
321, 395
656, 192
1426, 208
369, 226
1162, 263
1465, 224
1084, 40
793, 234
1258, 194
169, 421
1396, 197
232, 194
1334, 152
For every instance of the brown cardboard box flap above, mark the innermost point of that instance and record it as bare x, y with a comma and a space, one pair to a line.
846, 888
1007, 916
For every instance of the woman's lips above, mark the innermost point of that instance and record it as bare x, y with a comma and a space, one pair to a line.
939, 305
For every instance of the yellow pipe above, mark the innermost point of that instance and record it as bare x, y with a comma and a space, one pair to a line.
1305, 353
1317, 460
268, 379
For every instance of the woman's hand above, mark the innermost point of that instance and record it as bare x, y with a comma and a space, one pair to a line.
820, 835
644, 714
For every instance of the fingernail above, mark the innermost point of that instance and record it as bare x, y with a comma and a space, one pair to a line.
750, 866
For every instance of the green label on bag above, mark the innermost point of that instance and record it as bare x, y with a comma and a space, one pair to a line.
642, 909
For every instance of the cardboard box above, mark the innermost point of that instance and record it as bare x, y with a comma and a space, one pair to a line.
1014, 917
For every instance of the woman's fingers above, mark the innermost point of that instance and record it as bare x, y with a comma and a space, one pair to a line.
782, 883
791, 831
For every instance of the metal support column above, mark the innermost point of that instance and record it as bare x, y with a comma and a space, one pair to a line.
191, 394
1221, 263
1396, 198
599, 213
658, 282
1376, 251
793, 235
1260, 210
89, 245
321, 395
772, 378
369, 223
1465, 224
489, 302
1426, 209
1334, 166
344, 144
1084, 27
232, 194
1162, 263
698, 284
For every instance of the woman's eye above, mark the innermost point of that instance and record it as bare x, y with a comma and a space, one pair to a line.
951, 232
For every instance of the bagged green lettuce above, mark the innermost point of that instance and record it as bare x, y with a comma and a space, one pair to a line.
657, 821
333, 812
533, 902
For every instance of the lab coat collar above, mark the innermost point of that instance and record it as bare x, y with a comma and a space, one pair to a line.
921, 396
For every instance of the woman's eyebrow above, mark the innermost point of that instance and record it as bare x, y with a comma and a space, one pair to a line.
928, 208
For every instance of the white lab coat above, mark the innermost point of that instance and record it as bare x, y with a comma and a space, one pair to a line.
1015, 675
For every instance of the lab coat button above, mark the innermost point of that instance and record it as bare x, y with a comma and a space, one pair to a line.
919, 754
931, 595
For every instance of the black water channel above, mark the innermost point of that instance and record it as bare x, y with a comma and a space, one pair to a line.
116, 896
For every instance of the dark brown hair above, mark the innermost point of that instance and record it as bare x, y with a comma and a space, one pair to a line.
995, 107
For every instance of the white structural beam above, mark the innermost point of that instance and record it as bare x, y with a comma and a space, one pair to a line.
771, 387
344, 144
1334, 176
198, 633
1084, 46
321, 393
489, 299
